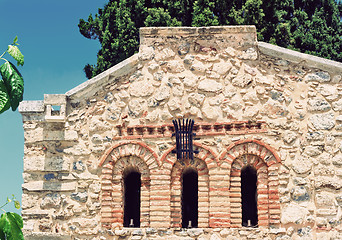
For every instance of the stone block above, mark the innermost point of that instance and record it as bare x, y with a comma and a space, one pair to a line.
46, 236
294, 213
70, 135
34, 163
31, 106
34, 135
53, 135
323, 121
54, 99
49, 186
58, 163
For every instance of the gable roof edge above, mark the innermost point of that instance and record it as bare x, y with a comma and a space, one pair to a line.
297, 57
95, 83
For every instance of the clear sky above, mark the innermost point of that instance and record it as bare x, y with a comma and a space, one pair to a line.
55, 54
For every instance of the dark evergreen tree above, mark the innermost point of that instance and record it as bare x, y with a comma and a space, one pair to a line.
203, 14
309, 26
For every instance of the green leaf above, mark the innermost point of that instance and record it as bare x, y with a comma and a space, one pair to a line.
16, 204
10, 226
17, 219
4, 98
2, 235
14, 83
15, 40
16, 54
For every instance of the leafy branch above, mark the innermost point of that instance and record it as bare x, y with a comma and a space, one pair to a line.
11, 223
14, 200
12, 83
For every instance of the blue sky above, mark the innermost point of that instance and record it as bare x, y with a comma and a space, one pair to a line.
55, 54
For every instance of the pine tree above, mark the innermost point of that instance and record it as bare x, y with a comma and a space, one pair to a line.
310, 26
203, 14
116, 26
318, 30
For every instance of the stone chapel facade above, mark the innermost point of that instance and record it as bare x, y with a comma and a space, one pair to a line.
99, 160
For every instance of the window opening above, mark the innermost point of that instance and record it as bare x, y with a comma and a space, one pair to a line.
55, 110
190, 199
132, 185
249, 197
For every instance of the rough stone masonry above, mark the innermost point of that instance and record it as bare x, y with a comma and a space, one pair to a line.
254, 104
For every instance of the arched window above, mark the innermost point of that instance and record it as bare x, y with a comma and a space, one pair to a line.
249, 197
132, 184
189, 198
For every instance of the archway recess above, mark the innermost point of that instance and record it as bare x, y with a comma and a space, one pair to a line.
264, 159
113, 163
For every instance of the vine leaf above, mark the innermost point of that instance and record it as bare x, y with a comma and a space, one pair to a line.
11, 225
14, 83
16, 54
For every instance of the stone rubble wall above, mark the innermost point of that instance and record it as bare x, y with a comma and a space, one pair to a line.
212, 75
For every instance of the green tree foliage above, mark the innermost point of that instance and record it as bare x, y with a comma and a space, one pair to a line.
309, 26
12, 83
11, 223
203, 14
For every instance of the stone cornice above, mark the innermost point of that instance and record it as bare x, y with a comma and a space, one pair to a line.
300, 58
94, 84
195, 31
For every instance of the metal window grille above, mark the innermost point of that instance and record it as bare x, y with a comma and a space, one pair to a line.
184, 139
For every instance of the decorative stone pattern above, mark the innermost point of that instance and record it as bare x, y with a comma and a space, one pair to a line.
254, 104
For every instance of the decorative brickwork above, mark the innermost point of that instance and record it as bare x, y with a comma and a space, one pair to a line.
265, 161
125, 156
203, 162
218, 178
201, 129
137, 148
203, 192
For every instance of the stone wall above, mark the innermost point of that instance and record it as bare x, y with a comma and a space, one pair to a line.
253, 104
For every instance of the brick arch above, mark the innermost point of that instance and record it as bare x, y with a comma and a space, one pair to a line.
266, 162
208, 155
206, 164
131, 148
115, 160
252, 147
203, 192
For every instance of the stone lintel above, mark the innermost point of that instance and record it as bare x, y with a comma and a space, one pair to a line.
54, 99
